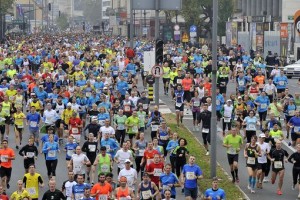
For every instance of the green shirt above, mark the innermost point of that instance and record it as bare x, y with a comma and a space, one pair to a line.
3, 114
120, 121
274, 109
133, 125
142, 117
234, 141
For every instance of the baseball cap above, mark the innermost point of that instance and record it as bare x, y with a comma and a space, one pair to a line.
69, 104
94, 118
127, 161
262, 135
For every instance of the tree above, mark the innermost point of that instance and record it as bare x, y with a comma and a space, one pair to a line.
5, 5
200, 13
62, 22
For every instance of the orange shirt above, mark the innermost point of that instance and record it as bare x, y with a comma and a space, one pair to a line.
122, 193
149, 155
207, 86
4, 155
66, 93
187, 84
259, 79
105, 189
31, 86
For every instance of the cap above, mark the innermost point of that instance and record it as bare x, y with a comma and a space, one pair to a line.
262, 135
69, 104
94, 118
239, 97
229, 100
127, 161
105, 88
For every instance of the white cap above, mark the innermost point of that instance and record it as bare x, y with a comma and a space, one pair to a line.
127, 160
69, 104
94, 118
262, 135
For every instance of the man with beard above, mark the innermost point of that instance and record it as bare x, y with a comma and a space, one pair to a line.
102, 189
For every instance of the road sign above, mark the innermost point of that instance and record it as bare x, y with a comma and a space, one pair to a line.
145, 31
185, 37
193, 31
176, 27
157, 71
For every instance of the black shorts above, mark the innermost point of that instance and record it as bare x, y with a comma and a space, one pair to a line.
131, 136
263, 115
280, 90
254, 167
196, 116
18, 129
166, 80
2, 129
191, 192
181, 108
206, 138
294, 136
232, 158
262, 166
219, 115
5, 172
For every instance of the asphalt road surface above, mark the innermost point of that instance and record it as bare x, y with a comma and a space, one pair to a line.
269, 191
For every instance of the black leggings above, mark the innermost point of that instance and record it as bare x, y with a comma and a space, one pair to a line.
268, 167
179, 165
120, 136
296, 174
228, 124
173, 163
51, 167
138, 160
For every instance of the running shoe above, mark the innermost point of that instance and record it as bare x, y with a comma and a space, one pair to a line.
279, 192
266, 180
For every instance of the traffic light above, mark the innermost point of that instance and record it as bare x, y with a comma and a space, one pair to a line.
159, 51
49, 6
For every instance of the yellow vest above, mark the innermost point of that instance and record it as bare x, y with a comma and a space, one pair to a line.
32, 185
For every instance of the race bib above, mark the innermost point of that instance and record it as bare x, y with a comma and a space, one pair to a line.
165, 137
252, 126
105, 168
33, 124
92, 147
146, 194
61, 78
75, 130
281, 83
51, 153
218, 102
278, 164
297, 128
101, 122
70, 152
145, 73
78, 196
77, 168
30, 154
205, 130
227, 120
20, 126
291, 112
166, 187
135, 129
121, 126
11, 98
145, 106
149, 161
141, 152
179, 81
88, 94
4, 158
154, 127
232, 151
190, 175
157, 172
241, 83
196, 103
115, 73
127, 108
178, 104
269, 92
263, 106
251, 160
31, 191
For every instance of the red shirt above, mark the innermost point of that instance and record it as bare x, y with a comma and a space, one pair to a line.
74, 122
149, 155
45, 75
157, 169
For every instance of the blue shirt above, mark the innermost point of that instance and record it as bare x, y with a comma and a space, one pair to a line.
167, 179
264, 103
122, 87
295, 121
242, 82
78, 190
70, 147
111, 146
190, 172
214, 194
51, 154
220, 102
280, 82
34, 120
131, 68
45, 138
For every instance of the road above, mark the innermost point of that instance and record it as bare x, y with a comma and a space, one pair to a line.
269, 191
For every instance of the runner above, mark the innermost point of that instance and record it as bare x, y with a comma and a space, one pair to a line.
147, 189
7, 155
295, 160
32, 181
68, 185
262, 160
53, 193
215, 192
168, 181
30, 153
123, 191
102, 189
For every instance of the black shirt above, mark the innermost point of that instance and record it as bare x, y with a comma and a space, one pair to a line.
296, 157
90, 148
56, 195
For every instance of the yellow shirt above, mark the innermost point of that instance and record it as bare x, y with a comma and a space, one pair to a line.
11, 94
10, 73
166, 72
19, 119
16, 195
48, 65
32, 184
37, 105
66, 115
77, 75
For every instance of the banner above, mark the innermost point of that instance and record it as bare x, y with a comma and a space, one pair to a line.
259, 37
234, 31
283, 39
228, 34
253, 35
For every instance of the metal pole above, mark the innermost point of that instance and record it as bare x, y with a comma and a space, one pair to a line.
131, 25
156, 89
29, 16
213, 127
52, 7
35, 18
43, 8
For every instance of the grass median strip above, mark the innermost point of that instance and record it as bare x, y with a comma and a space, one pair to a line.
196, 149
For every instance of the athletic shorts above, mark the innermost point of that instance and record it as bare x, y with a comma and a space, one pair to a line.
5, 172
262, 115
191, 192
262, 166
280, 90
232, 158
294, 136
181, 108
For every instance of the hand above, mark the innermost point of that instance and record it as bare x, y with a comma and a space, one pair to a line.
25, 157
272, 159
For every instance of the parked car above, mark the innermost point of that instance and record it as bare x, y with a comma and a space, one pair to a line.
292, 70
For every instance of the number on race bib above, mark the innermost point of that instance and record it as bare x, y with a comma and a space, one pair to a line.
190, 175
33, 124
227, 120
205, 130
251, 160
51, 153
278, 164
146, 194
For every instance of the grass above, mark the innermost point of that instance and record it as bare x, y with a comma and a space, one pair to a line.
198, 150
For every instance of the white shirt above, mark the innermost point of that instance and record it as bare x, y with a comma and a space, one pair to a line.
68, 186
78, 166
265, 147
131, 176
134, 100
107, 130
122, 155
270, 89
50, 116
275, 72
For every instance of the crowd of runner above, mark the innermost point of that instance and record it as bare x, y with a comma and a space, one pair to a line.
80, 94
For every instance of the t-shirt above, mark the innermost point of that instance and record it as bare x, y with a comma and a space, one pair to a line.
19, 119
4, 154
234, 141
18, 196
190, 173
214, 194
57, 195
104, 190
